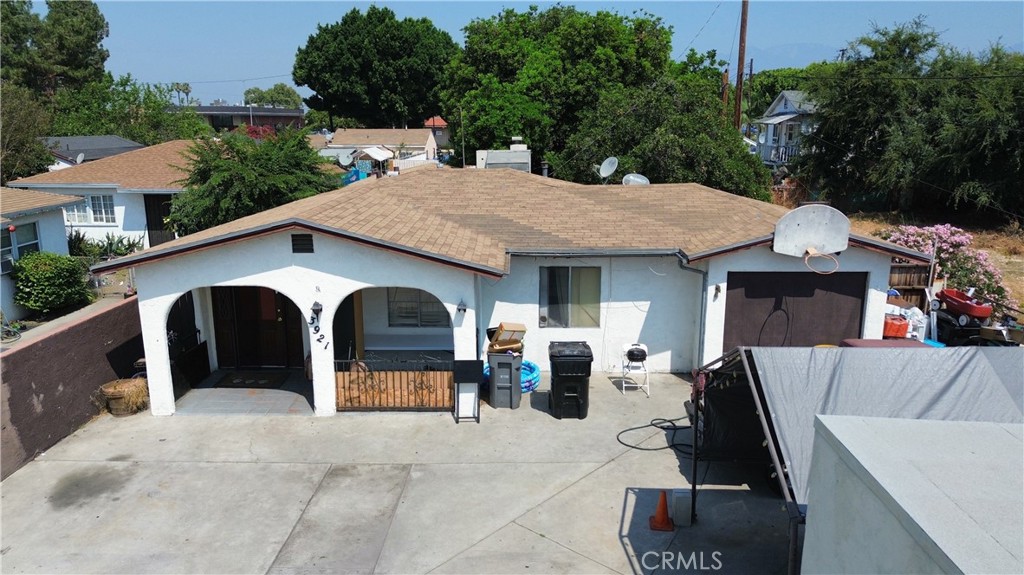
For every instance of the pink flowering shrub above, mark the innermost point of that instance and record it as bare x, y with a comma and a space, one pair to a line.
961, 265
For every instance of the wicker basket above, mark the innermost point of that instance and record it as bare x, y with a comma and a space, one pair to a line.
125, 396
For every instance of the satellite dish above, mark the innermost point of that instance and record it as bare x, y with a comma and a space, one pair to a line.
635, 180
761, 138
80, 158
608, 167
345, 160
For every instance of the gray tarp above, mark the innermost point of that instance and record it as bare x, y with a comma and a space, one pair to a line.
954, 384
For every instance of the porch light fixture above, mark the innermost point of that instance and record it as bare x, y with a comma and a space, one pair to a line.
461, 308
317, 308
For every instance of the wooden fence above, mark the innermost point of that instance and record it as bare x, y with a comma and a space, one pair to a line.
911, 281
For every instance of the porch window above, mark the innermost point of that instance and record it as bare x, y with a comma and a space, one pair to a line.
570, 297
94, 210
22, 242
410, 307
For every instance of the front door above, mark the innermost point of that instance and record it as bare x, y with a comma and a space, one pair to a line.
158, 207
256, 327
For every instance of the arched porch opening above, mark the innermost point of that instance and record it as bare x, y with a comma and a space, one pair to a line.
255, 348
394, 350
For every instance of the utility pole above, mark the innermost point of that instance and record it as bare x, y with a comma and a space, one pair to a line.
750, 86
739, 72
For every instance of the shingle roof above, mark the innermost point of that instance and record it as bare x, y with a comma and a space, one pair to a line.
800, 100
435, 122
385, 137
92, 147
475, 218
15, 203
151, 168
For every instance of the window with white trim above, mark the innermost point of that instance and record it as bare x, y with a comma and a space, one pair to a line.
410, 307
94, 210
570, 297
18, 244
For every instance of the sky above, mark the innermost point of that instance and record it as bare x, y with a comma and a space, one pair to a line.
223, 48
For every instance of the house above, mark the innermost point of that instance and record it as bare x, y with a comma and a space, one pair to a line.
439, 126
127, 194
228, 118
787, 120
399, 144
31, 222
426, 263
73, 150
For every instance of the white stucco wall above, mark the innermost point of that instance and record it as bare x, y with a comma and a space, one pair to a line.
51, 239
643, 299
336, 269
129, 211
763, 259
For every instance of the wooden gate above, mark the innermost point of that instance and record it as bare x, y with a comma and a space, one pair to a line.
911, 281
384, 386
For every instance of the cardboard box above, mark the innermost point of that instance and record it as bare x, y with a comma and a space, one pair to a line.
509, 332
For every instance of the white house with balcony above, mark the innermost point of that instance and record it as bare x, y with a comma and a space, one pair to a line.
783, 126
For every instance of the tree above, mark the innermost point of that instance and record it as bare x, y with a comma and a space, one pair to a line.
123, 107
533, 74
281, 95
17, 51
236, 176
317, 120
374, 68
71, 53
917, 124
24, 121
673, 131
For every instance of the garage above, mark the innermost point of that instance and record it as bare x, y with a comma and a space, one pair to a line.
792, 309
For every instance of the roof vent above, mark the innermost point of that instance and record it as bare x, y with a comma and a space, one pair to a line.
302, 243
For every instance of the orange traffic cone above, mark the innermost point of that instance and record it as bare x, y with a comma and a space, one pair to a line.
660, 521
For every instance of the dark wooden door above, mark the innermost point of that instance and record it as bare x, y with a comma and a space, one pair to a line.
265, 330
784, 309
158, 207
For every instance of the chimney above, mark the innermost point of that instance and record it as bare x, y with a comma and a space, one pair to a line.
518, 145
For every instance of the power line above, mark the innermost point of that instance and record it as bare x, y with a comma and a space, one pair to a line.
914, 78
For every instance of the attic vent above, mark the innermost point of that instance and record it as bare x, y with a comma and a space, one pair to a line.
302, 243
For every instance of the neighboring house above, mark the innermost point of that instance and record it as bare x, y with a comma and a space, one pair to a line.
231, 117
440, 129
400, 144
31, 222
430, 260
787, 120
127, 194
516, 157
70, 151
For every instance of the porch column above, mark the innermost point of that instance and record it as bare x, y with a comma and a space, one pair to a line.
153, 317
325, 388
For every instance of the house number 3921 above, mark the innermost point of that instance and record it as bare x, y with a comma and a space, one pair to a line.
320, 338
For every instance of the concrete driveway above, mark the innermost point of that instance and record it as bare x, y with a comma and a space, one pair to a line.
520, 492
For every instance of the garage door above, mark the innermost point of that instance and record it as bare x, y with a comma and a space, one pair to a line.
783, 309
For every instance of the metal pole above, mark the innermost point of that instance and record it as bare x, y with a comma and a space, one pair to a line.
739, 71
462, 128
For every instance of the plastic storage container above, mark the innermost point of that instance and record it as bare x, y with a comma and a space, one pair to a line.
505, 372
570, 378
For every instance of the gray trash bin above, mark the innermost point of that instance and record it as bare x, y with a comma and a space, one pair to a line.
506, 388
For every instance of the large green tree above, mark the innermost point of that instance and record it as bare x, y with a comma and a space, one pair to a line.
236, 176
70, 46
17, 49
908, 122
672, 131
23, 121
280, 94
372, 67
127, 108
533, 73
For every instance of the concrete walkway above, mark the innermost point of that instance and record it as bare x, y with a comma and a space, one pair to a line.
520, 492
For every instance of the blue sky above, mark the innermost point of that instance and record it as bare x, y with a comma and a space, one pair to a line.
222, 48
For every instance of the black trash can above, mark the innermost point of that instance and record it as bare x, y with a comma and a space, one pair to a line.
505, 387
570, 378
